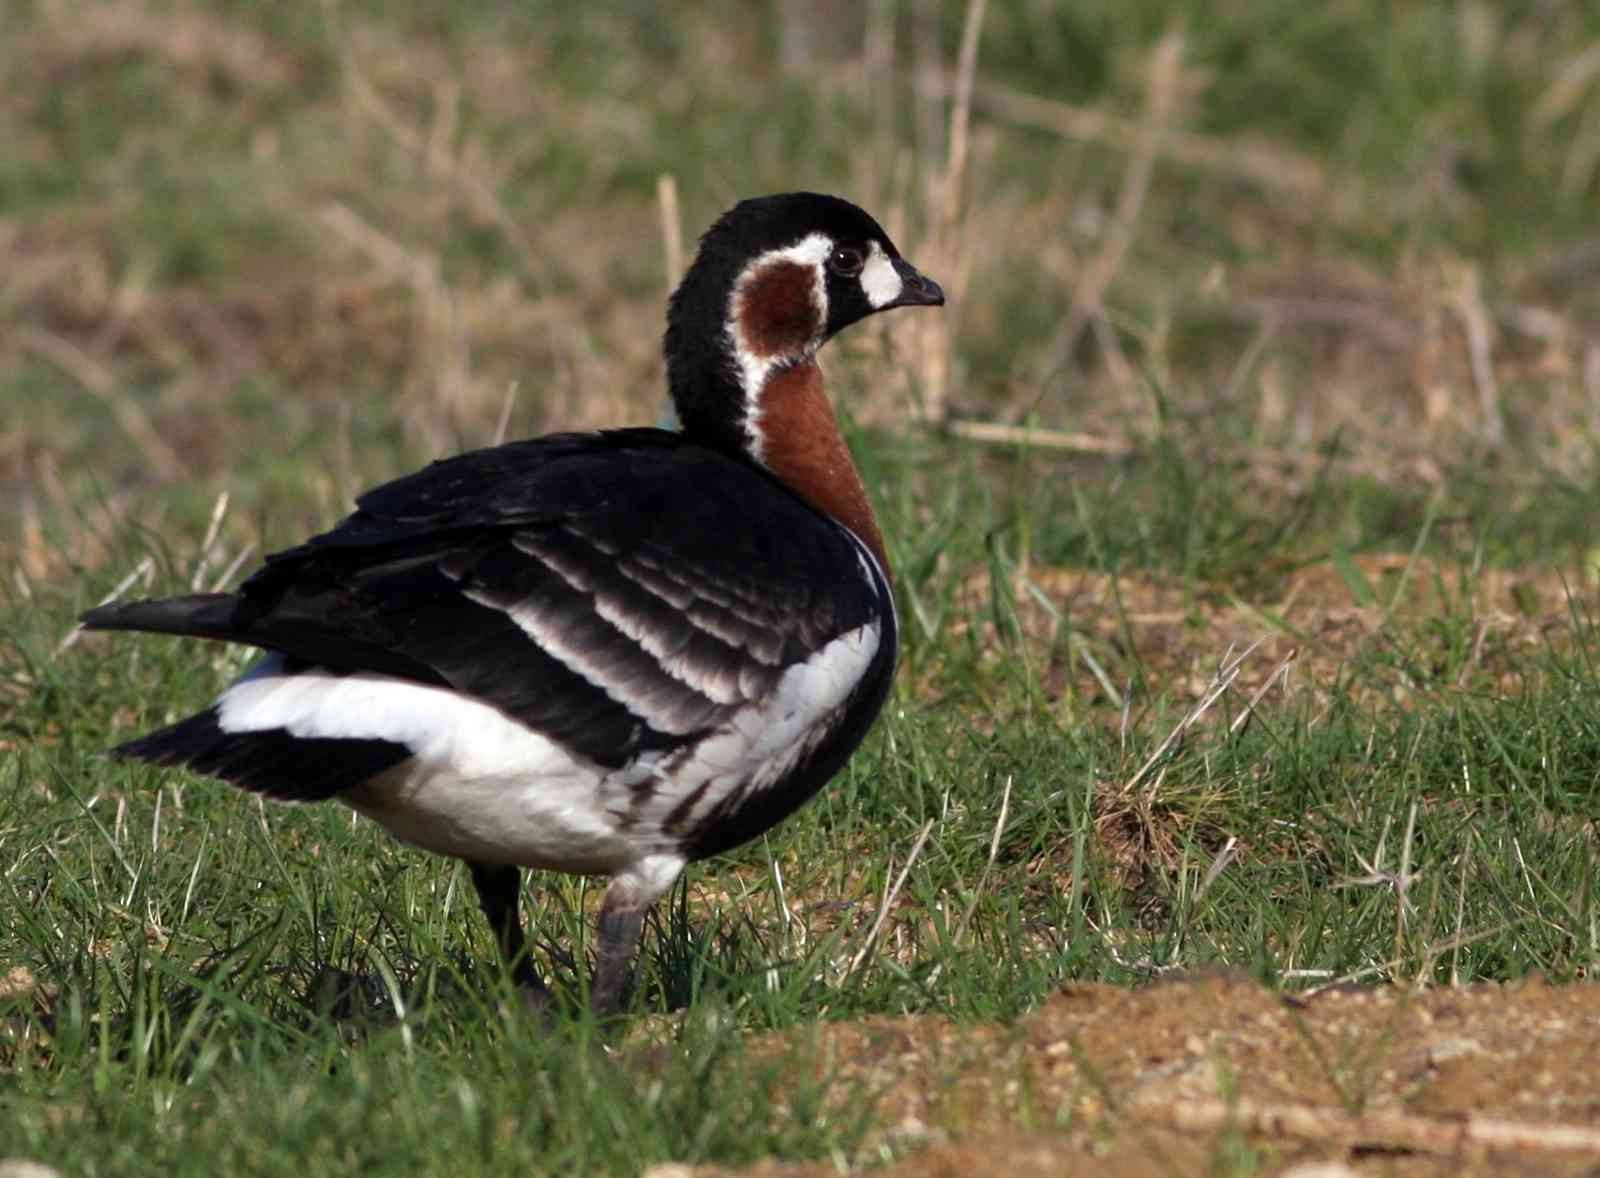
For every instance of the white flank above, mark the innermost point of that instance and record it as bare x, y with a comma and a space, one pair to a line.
880, 282
481, 786
478, 785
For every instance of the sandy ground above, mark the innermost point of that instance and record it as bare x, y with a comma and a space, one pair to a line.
1216, 1073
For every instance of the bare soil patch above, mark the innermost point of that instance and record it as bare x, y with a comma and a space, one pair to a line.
1173, 1077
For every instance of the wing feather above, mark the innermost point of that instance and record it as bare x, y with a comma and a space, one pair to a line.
615, 592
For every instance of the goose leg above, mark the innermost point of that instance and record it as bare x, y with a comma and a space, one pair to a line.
621, 922
632, 893
498, 889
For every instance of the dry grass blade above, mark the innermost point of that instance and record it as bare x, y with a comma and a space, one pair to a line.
1401, 880
1570, 84
145, 569
189, 40
226, 576
1392, 967
1034, 436
202, 561
503, 423
988, 866
395, 261
1161, 99
671, 228
1219, 864
865, 951
1269, 165
478, 191
440, 362
1226, 674
945, 252
100, 383
961, 114
1461, 915
877, 90
1280, 673
1467, 301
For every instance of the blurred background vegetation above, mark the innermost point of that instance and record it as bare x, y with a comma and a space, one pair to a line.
288, 249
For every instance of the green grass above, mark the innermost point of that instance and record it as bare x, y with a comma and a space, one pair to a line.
284, 988
196, 297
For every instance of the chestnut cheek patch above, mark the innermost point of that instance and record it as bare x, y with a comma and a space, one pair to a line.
777, 310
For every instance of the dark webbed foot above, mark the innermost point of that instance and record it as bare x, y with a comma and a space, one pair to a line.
498, 889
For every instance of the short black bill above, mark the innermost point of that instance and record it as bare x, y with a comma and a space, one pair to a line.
915, 289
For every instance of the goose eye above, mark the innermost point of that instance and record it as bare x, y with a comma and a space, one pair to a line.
847, 261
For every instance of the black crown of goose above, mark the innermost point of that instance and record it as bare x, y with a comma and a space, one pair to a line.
611, 653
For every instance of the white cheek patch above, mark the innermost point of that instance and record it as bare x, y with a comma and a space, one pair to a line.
880, 282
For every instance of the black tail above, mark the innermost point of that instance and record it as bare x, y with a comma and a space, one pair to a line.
227, 618
271, 762
201, 615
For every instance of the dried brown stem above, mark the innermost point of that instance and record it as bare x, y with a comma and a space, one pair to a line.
1270, 166
1034, 436
97, 380
671, 228
946, 252
1161, 93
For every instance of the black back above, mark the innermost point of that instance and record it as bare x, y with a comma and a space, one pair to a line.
637, 527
